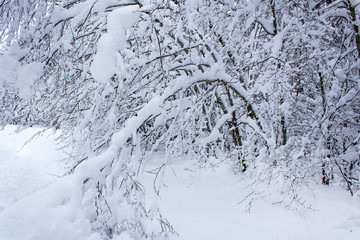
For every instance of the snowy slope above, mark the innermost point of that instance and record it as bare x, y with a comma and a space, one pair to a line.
201, 204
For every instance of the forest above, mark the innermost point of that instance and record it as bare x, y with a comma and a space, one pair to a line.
272, 87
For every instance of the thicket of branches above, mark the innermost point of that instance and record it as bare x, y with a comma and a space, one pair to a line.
271, 85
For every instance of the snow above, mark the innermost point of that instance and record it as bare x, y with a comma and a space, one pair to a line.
215, 134
107, 60
200, 203
19, 76
206, 205
27, 168
267, 25
31, 195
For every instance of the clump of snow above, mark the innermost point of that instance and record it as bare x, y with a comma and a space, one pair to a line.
106, 61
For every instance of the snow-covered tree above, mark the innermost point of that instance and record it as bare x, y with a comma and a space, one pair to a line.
271, 85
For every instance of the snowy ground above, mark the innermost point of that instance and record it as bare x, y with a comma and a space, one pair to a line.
206, 206
25, 168
201, 204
